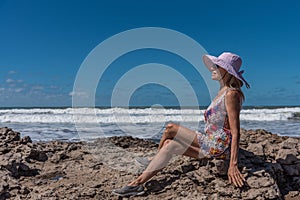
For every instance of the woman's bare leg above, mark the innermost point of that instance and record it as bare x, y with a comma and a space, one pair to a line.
169, 133
183, 145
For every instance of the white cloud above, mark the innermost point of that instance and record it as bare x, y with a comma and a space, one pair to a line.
9, 80
79, 94
37, 87
19, 90
12, 72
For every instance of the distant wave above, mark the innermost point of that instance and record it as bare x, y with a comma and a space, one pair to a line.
295, 116
268, 114
136, 115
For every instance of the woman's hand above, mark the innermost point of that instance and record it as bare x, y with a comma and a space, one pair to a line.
235, 176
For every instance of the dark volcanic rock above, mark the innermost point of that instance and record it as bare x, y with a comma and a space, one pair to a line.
79, 170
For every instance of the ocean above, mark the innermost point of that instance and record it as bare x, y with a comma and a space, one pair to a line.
75, 124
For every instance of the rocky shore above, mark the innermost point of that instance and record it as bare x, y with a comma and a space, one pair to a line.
80, 170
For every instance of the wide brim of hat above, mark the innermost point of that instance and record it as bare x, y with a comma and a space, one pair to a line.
211, 62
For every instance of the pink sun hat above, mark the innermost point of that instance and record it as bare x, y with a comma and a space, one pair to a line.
228, 61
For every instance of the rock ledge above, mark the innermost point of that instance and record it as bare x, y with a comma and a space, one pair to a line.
79, 170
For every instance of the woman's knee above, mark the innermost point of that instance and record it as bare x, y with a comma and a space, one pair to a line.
171, 130
171, 125
167, 141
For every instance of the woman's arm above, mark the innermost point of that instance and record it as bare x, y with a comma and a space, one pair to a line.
233, 106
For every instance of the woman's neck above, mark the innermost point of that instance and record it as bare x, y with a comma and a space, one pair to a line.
222, 83
222, 86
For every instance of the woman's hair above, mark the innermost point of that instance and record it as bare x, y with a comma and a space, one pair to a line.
235, 83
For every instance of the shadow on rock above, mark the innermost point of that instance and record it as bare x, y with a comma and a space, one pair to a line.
20, 169
270, 164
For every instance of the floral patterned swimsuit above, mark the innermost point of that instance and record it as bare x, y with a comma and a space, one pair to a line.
216, 139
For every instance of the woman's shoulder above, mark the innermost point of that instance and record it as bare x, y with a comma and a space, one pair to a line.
234, 95
233, 90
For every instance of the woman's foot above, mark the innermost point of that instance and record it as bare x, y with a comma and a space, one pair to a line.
143, 161
127, 191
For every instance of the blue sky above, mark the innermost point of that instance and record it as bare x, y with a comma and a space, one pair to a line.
43, 44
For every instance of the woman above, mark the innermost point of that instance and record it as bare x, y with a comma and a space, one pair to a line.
222, 127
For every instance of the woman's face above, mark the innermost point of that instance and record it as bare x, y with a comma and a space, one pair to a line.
217, 73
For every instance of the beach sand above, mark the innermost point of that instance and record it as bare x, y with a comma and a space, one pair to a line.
80, 170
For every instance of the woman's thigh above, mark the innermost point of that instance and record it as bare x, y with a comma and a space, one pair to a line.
184, 135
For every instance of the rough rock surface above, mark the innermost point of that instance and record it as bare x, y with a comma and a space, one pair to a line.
79, 170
